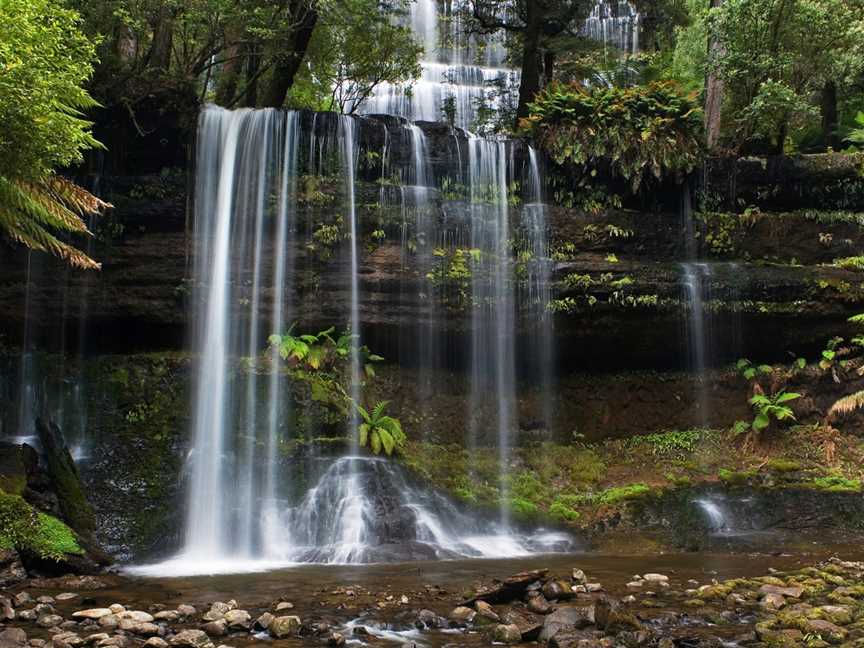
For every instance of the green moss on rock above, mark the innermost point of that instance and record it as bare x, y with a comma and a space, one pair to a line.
30, 531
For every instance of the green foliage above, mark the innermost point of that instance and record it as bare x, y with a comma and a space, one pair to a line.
25, 529
44, 61
641, 131
563, 508
837, 484
622, 493
775, 55
768, 408
856, 135
850, 263
748, 371
355, 47
523, 508
379, 431
322, 351
668, 444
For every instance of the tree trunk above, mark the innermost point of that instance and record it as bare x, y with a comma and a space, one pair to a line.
226, 88
548, 66
286, 67
829, 115
713, 92
159, 56
531, 60
250, 93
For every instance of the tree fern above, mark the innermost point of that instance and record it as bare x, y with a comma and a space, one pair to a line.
36, 213
846, 405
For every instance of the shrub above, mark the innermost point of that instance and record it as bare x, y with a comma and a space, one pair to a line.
640, 131
562, 508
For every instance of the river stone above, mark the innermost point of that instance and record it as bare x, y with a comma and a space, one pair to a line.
284, 605
95, 637
27, 615
22, 598
116, 608
284, 626
170, 616
263, 622
428, 619
186, 610
48, 600
506, 634
7, 612
191, 639
238, 619
656, 578
37, 643
49, 620
218, 628
539, 604
94, 613
579, 577
792, 592
336, 639
44, 608
12, 638
772, 601
529, 628
71, 625
827, 630
839, 614
138, 616
557, 590
156, 642
567, 618
66, 596
462, 615
511, 588
486, 611
593, 587
217, 611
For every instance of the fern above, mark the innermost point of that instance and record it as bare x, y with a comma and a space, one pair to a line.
34, 214
846, 405
378, 431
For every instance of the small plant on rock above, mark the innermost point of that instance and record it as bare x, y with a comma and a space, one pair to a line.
768, 408
379, 431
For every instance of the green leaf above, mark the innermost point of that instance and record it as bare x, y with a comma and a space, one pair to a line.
785, 397
761, 422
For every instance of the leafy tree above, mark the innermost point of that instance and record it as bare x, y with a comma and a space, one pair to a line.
44, 61
774, 56
356, 46
536, 24
379, 431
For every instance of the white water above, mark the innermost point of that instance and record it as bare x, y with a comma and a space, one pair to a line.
352, 509
458, 68
716, 517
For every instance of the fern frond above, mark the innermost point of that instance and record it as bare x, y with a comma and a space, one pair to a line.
846, 405
32, 211
378, 410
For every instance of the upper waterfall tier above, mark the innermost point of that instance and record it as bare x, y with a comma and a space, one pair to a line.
462, 73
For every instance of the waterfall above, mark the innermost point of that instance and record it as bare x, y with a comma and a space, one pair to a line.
715, 515
539, 294
493, 308
459, 74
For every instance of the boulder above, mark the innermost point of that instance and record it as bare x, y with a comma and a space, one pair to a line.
186, 610
462, 615
555, 590
12, 570
827, 630
284, 626
218, 628
156, 642
49, 620
191, 639
12, 638
428, 619
511, 588
529, 628
238, 619
538, 603
169, 616
567, 618
138, 616
792, 592
505, 634
486, 611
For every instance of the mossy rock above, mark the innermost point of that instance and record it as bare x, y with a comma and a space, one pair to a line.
35, 533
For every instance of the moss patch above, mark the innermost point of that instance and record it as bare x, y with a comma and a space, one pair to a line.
27, 530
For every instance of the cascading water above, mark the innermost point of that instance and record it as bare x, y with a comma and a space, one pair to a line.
246, 510
459, 74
